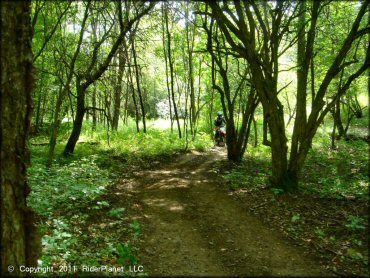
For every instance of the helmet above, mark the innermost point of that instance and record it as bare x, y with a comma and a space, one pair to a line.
219, 114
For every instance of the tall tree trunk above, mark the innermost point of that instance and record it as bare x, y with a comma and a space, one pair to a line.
38, 112
39, 99
333, 147
20, 242
263, 62
170, 61
42, 116
237, 138
338, 120
190, 46
95, 70
255, 132
94, 114
77, 123
166, 64
125, 114
302, 73
132, 88
279, 150
137, 77
118, 89
65, 91
55, 127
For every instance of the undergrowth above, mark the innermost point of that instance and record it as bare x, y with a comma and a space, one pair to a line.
79, 225
330, 208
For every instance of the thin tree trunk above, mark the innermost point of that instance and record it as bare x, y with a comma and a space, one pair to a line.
43, 110
118, 89
94, 75
137, 75
255, 132
37, 120
65, 91
172, 72
190, 46
166, 63
94, 115
333, 147
54, 130
132, 87
125, 114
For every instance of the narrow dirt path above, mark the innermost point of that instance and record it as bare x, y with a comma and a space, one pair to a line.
191, 227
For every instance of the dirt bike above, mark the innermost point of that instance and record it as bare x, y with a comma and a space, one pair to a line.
220, 136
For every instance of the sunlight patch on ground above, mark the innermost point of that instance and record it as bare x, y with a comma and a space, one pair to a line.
160, 172
170, 183
170, 205
160, 124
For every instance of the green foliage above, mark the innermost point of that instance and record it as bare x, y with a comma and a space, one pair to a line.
355, 223
277, 191
354, 254
319, 232
340, 174
125, 254
116, 212
68, 195
296, 217
135, 226
236, 179
61, 187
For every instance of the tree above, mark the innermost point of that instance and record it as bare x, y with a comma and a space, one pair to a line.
20, 243
118, 88
244, 94
170, 63
95, 69
258, 37
138, 81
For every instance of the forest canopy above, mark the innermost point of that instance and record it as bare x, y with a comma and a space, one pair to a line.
119, 85
288, 64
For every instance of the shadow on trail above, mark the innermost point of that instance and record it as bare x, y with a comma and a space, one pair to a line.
192, 227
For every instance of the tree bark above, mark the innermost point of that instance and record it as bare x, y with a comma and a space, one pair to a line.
91, 75
20, 242
237, 137
118, 89
132, 87
55, 127
190, 46
240, 31
166, 68
137, 78
77, 123
94, 114
65, 91
170, 62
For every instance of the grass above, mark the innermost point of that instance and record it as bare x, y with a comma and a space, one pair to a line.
328, 213
79, 225
339, 173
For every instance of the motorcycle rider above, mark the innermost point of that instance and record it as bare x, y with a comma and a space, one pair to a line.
220, 120
219, 123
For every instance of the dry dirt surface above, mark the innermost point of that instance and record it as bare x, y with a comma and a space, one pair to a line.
192, 227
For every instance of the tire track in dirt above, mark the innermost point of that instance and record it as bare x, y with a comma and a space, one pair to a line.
191, 227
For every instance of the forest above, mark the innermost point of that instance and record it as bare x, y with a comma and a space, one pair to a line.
110, 156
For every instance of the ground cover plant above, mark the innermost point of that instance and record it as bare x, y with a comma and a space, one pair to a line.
329, 214
77, 223
109, 115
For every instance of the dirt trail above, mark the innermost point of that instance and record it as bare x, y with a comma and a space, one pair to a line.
191, 227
